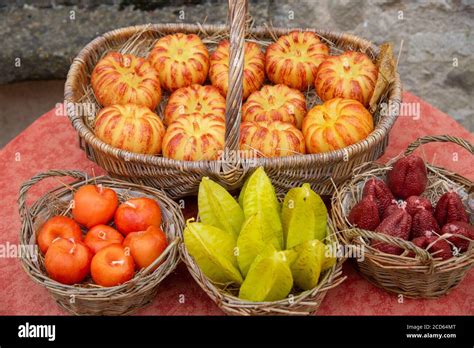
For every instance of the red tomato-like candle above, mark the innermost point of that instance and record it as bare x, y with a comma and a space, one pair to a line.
100, 236
94, 205
146, 246
137, 214
58, 226
68, 261
112, 266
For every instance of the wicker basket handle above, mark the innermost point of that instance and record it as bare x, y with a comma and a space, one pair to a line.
424, 256
237, 14
439, 139
26, 186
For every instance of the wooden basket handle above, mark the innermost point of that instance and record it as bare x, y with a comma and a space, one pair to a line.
26, 186
422, 254
439, 139
237, 14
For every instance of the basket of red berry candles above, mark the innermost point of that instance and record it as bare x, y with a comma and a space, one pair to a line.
412, 222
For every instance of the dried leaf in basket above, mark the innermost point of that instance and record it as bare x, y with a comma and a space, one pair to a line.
303, 215
213, 250
387, 69
269, 277
254, 237
218, 208
260, 196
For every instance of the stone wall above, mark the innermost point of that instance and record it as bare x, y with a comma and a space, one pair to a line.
40, 38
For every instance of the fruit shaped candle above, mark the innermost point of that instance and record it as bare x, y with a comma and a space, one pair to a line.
408, 177
423, 221
381, 193
254, 65
195, 99
269, 277
68, 261
275, 103
392, 208
351, 75
397, 225
194, 138
365, 214
336, 124
94, 205
58, 226
309, 263
293, 59
130, 127
137, 214
146, 246
303, 216
218, 208
180, 60
100, 236
450, 208
112, 265
123, 78
416, 203
253, 238
259, 195
214, 252
270, 139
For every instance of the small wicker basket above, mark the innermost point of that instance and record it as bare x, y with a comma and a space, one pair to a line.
303, 303
87, 298
422, 276
180, 178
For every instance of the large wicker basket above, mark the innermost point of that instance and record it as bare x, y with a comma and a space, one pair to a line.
181, 178
421, 276
88, 298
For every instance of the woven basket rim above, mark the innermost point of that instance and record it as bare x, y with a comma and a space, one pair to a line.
379, 133
140, 283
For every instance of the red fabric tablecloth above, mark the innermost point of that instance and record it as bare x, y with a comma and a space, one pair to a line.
51, 143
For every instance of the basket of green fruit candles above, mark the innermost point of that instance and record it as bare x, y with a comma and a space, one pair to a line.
262, 255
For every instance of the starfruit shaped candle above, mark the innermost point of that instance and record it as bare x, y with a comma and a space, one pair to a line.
213, 250
258, 195
254, 237
218, 208
303, 215
269, 277
308, 265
